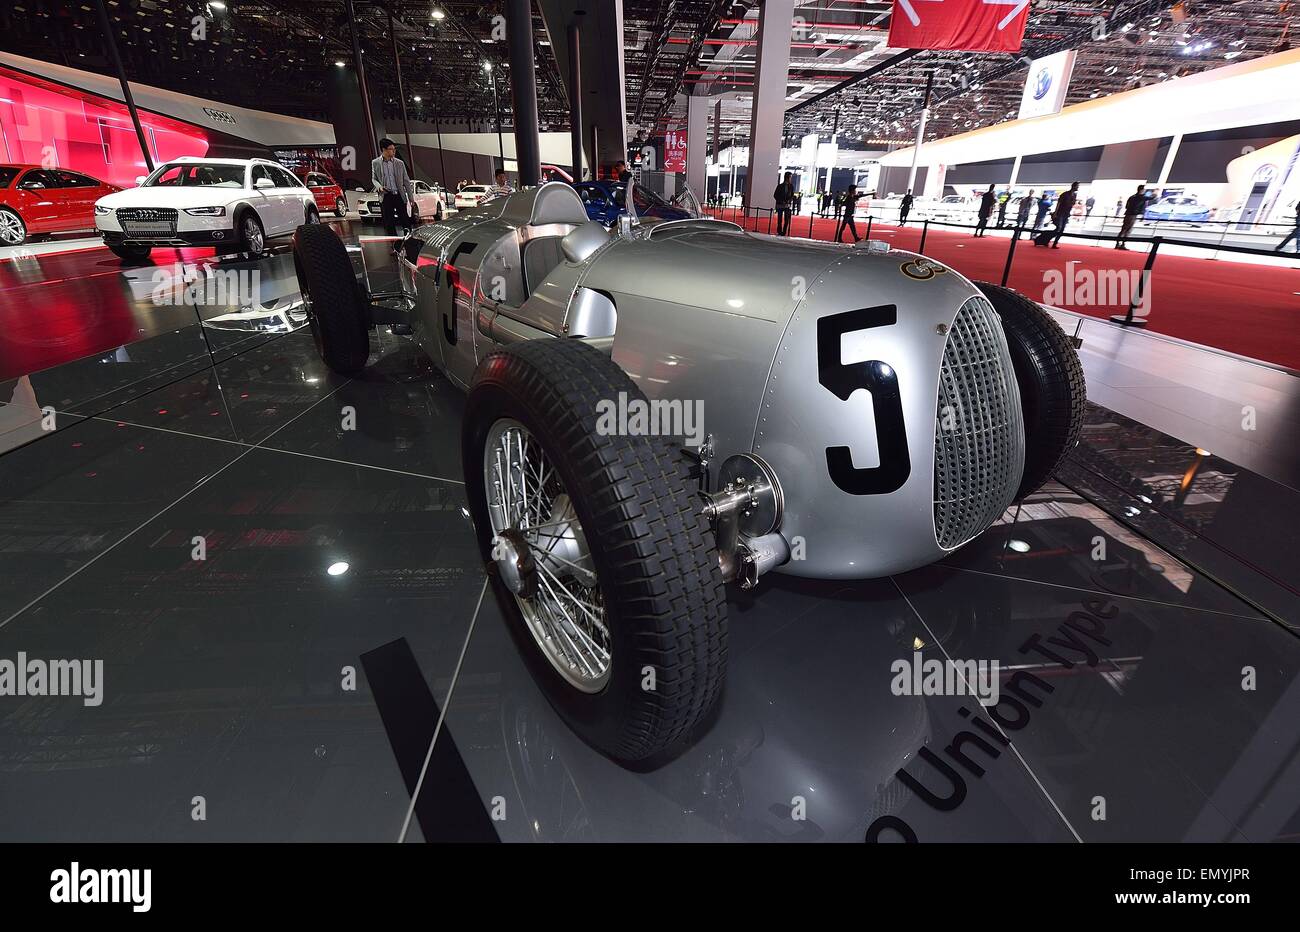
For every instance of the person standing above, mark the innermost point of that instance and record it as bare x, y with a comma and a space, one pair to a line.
393, 185
837, 202
1088, 205
1044, 204
1003, 201
798, 202
1022, 211
1133, 208
502, 185
986, 209
904, 208
848, 203
1294, 234
784, 197
1064, 204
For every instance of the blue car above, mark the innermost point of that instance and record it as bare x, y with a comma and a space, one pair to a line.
1177, 207
604, 202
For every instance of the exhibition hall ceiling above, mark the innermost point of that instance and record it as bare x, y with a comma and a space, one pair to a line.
276, 55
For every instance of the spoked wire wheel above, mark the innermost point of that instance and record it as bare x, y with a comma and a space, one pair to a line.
543, 556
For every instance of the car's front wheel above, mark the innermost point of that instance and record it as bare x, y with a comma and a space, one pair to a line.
1050, 378
13, 232
313, 215
596, 546
131, 252
332, 299
340, 208
252, 236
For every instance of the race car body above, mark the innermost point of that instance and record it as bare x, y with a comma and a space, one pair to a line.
848, 412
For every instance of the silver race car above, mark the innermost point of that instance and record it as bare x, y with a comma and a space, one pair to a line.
659, 410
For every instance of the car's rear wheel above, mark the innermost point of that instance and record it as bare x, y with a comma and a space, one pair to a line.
13, 232
596, 548
313, 215
334, 304
131, 252
252, 236
340, 208
1050, 378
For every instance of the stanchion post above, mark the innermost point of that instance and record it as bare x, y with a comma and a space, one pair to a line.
868, 236
925, 228
1128, 320
1006, 269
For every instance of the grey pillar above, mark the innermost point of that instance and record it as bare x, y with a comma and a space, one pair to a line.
771, 75
523, 90
361, 76
575, 98
111, 38
697, 130
401, 94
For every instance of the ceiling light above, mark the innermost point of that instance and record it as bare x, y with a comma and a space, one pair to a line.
487, 66
416, 98
337, 569
438, 14
338, 64
216, 4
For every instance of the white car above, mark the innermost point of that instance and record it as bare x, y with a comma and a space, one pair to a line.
236, 205
430, 202
472, 195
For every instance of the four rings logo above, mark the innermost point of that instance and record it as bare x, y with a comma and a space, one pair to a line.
220, 116
921, 269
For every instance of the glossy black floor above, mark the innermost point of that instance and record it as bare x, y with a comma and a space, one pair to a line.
331, 512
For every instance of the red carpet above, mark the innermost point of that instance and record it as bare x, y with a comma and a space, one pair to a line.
1253, 310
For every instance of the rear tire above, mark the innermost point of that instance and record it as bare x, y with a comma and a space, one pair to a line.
1050, 376
335, 309
130, 252
340, 208
656, 566
252, 235
313, 215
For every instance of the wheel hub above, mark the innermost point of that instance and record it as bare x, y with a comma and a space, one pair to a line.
515, 563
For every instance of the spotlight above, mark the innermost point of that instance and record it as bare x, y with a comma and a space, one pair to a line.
337, 569
338, 64
438, 14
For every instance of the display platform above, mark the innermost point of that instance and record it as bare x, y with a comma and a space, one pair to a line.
334, 665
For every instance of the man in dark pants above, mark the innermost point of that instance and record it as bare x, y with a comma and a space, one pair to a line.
848, 202
1002, 209
1022, 211
1064, 204
1133, 208
784, 197
904, 207
837, 203
986, 209
393, 185
1293, 235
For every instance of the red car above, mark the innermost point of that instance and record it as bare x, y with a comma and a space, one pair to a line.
329, 196
35, 200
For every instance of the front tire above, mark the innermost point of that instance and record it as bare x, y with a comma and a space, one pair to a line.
13, 232
1050, 376
130, 252
335, 310
640, 572
252, 235
313, 215
340, 208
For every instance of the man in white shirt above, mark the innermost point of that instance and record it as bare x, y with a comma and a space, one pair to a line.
502, 186
393, 185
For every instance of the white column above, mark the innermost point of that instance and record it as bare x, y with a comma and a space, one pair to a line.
1169, 160
697, 128
771, 77
1015, 173
916, 149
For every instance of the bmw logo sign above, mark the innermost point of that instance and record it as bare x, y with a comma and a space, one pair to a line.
1042, 83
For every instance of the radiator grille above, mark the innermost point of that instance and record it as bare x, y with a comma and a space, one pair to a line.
147, 221
979, 435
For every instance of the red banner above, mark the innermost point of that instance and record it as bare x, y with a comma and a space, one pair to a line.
961, 25
675, 150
